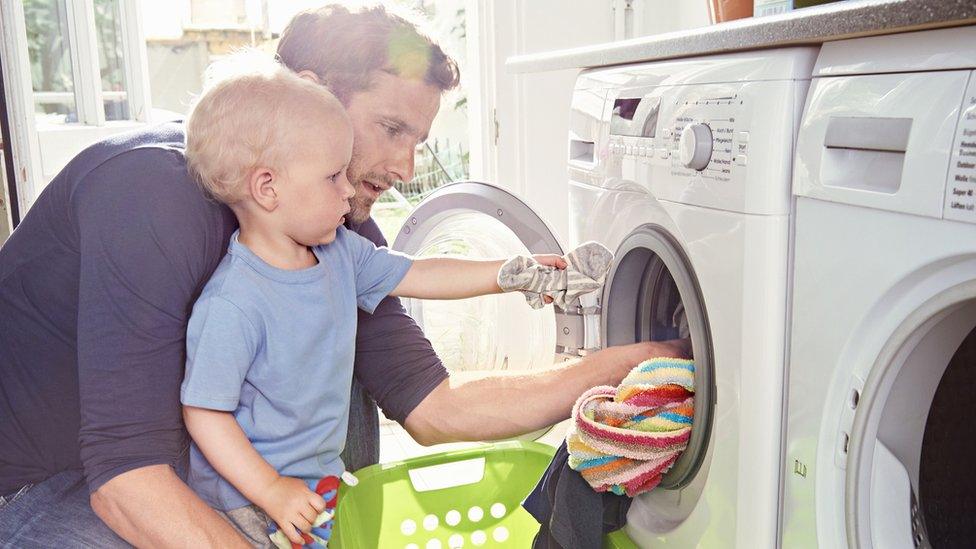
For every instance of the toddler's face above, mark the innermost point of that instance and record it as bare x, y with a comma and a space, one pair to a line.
314, 198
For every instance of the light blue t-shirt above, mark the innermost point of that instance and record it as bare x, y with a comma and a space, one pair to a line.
276, 348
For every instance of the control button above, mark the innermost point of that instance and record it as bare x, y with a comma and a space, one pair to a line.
740, 160
743, 137
663, 153
695, 146
630, 149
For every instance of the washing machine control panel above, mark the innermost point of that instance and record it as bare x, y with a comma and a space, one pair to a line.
695, 132
960, 196
683, 130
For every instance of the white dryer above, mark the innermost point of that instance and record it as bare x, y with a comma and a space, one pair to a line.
683, 168
880, 436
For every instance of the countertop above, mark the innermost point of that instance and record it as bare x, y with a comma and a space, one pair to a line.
815, 25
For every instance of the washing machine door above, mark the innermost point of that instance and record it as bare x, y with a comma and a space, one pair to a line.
652, 294
486, 335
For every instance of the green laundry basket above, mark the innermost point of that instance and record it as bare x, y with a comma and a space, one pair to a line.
465, 498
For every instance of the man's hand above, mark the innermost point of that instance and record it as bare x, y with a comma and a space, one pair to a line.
620, 360
293, 506
520, 404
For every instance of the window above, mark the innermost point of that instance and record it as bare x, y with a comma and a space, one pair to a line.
77, 69
111, 59
80, 61
50, 61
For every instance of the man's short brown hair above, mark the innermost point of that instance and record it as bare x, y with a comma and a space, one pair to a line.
343, 48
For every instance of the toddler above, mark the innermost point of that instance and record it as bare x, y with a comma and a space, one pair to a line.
270, 342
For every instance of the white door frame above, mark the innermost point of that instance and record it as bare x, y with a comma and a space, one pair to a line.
19, 98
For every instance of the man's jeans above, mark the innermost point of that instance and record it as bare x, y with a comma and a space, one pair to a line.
54, 513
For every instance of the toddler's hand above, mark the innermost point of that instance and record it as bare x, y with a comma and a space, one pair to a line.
290, 503
551, 260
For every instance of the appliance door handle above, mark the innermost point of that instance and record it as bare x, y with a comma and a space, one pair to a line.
868, 133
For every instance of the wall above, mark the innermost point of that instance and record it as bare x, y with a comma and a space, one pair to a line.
532, 110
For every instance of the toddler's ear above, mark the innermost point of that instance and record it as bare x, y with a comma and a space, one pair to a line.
309, 75
262, 188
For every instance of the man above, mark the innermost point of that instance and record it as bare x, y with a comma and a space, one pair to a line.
97, 283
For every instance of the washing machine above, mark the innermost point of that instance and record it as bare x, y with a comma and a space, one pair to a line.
682, 168
882, 367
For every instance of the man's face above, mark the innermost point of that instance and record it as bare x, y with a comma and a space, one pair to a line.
389, 120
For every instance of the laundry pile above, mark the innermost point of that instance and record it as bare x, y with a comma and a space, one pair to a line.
587, 266
625, 438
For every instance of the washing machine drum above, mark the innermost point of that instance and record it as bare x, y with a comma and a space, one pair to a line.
652, 294
909, 474
947, 482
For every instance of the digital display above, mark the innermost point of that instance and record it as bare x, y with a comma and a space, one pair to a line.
635, 117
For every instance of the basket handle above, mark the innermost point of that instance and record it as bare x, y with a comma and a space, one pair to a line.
441, 458
420, 469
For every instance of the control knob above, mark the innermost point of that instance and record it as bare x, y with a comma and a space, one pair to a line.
695, 147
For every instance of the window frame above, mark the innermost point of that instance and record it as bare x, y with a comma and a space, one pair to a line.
41, 150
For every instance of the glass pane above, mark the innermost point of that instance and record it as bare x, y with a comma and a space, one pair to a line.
50, 61
489, 334
111, 62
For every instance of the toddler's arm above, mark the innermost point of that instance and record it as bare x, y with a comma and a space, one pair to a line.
451, 278
286, 500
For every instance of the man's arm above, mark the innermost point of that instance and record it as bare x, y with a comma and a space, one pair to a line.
503, 406
147, 240
151, 507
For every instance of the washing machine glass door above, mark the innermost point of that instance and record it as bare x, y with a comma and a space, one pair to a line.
652, 294
486, 335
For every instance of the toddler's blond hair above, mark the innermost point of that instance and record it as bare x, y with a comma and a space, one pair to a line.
252, 113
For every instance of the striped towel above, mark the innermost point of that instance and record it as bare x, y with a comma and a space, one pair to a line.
624, 439
586, 269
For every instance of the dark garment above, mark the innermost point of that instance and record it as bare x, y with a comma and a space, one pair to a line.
363, 436
96, 286
571, 514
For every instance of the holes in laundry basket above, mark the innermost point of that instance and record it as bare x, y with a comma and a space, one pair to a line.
408, 527
476, 513
478, 537
453, 517
412, 546
498, 510
500, 534
434, 544
430, 522
455, 541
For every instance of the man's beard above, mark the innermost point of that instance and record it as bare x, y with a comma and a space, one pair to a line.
360, 207
361, 204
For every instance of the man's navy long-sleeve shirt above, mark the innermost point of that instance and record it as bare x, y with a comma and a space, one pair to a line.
96, 286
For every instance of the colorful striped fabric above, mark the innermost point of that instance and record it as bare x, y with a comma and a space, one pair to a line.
624, 439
